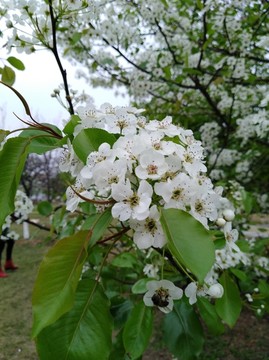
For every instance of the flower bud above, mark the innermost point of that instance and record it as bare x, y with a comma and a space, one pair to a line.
220, 222
228, 215
9, 24
215, 291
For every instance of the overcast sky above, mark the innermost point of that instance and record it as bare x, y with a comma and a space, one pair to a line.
36, 83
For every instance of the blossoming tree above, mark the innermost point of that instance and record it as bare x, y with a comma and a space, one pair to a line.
144, 227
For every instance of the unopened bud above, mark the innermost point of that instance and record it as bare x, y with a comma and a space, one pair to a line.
220, 222
228, 215
215, 291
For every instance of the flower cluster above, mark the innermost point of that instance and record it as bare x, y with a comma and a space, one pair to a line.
148, 166
151, 164
23, 207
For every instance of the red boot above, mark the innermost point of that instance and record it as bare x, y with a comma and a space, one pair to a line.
3, 274
9, 265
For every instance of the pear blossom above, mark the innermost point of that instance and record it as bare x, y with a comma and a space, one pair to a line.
106, 173
176, 192
162, 294
131, 203
192, 290
149, 232
69, 162
152, 165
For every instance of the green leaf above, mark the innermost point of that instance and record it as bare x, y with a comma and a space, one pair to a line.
120, 309
8, 76
57, 279
229, 305
247, 200
44, 208
137, 330
241, 275
98, 223
124, 260
72, 123
41, 142
3, 134
210, 316
12, 160
100, 226
89, 140
84, 333
140, 287
16, 63
118, 351
183, 333
189, 242
264, 288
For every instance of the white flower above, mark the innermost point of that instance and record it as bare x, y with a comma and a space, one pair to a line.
151, 270
204, 206
192, 160
152, 165
107, 173
149, 232
104, 153
191, 292
176, 192
231, 236
131, 204
121, 123
69, 162
72, 199
162, 294
164, 126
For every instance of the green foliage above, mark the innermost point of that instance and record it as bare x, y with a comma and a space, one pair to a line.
97, 224
44, 208
209, 315
41, 140
124, 260
229, 306
3, 134
85, 332
183, 332
140, 287
16, 63
189, 242
137, 330
12, 159
57, 278
89, 140
8, 75
69, 127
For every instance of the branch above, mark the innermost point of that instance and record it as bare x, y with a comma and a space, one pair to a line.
54, 50
39, 226
167, 43
210, 101
138, 67
203, 41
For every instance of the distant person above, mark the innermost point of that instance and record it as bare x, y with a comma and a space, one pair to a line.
8, 242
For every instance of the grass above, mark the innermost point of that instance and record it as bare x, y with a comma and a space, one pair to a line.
15, 299
249, 340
